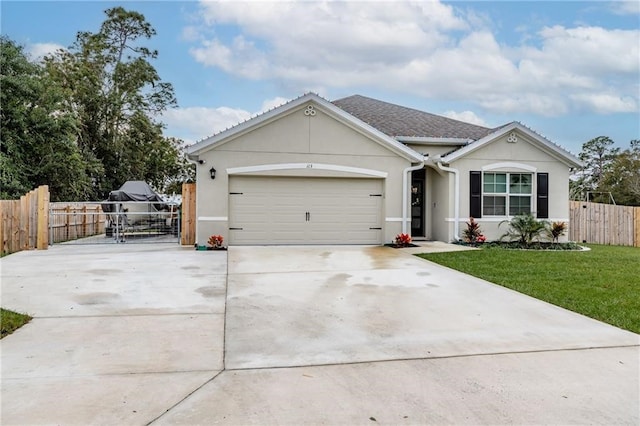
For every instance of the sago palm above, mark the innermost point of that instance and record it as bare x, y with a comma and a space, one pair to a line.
524, 228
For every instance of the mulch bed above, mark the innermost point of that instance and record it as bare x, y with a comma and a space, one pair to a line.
516, 245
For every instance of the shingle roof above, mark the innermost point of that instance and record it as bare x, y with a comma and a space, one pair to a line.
395, 120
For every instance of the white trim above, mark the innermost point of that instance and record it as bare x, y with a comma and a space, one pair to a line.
509, 165
456, 199
406, 195
393, 219
563, 155
502, 218
213, 218
399, 148
310, 166
423, 140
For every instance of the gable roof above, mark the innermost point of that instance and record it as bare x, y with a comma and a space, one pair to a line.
414, 126
402, 122
390, 125
555, 150
218, 139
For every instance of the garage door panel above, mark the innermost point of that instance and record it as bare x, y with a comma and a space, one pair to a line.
279, 210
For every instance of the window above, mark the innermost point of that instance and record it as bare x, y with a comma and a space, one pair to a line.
506, 192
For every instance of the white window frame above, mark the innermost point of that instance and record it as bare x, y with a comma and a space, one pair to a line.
507, 194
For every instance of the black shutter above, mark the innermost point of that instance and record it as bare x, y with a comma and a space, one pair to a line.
475, 201
542, 199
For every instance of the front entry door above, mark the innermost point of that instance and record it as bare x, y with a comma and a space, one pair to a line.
417, 203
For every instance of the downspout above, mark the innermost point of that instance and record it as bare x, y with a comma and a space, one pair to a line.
406, 197
456, 200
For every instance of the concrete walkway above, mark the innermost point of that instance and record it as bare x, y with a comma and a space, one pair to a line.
297, 335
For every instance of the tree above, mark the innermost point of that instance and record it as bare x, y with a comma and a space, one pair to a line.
114, 92
597, 156
38, 133
622, 177
153, 157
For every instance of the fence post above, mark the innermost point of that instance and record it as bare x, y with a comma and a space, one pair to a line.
84, 221
42, 239
636, 226
2, 227
23, 224
188, 234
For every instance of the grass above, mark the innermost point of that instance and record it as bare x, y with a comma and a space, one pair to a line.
11, 321
603, 283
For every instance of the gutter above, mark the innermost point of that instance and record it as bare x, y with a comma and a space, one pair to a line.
456, 200
423, 140
406, 195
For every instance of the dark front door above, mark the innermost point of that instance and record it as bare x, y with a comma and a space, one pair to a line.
417, 203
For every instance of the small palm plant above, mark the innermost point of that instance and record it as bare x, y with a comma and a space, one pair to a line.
524, 228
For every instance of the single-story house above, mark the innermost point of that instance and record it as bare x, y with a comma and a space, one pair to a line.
360, 171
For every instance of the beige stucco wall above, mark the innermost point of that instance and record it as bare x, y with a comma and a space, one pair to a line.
296, 138
441, 186
524, 152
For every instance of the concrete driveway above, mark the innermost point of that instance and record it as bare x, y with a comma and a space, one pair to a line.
297, 335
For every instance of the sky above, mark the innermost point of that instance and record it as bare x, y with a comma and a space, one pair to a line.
570, 70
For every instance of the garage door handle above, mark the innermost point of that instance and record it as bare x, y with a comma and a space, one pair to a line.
307, 216
376, 228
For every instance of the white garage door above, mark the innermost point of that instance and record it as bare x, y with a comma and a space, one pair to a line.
282, 210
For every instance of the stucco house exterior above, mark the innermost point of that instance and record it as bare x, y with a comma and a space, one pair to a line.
359, 171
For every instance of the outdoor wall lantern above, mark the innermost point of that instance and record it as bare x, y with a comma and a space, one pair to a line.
212, 172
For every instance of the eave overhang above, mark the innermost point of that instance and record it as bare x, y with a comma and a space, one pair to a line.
194, 151
554, 150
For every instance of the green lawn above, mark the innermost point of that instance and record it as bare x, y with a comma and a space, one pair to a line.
11, 321
603, 283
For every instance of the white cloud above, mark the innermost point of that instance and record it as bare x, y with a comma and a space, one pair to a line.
467, 117
590, 50
37, 51
304, 37
273, 103
190, 33
196, 123
423, 48
605, 103
625, 7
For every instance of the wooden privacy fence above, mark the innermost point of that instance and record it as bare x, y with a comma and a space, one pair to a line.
604, 224
188, 236
24, 223
70, 221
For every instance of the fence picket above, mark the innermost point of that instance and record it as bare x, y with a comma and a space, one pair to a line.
19, 220
604, 223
